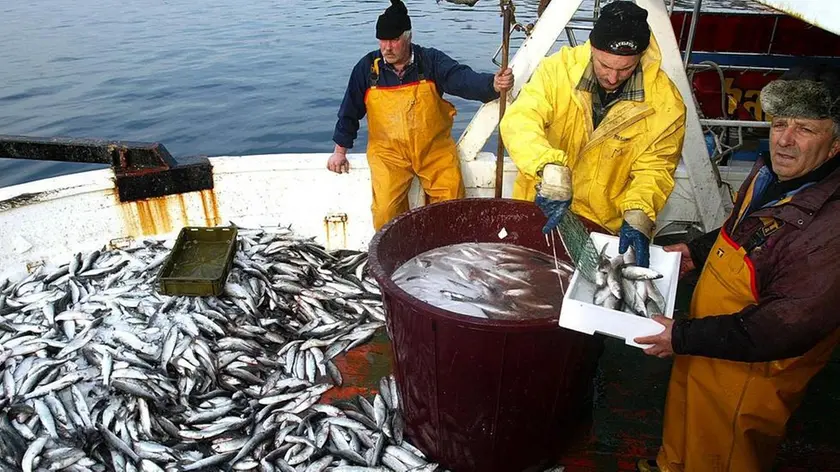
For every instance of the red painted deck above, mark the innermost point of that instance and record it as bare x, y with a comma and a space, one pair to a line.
627, 417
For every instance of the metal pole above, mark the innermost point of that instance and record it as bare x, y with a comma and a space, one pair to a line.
694, 17
773, 36
500, 150
671, 7
542, 6
740, 68
735, 123
571, 35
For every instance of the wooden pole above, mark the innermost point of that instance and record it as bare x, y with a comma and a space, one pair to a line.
500, 151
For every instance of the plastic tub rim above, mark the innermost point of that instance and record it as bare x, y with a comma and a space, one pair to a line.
187, 286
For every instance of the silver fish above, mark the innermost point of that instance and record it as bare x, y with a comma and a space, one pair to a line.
32, 453
229, 376
624, 286
655, 296
639, 273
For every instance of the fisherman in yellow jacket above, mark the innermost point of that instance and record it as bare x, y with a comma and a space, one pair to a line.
600, 128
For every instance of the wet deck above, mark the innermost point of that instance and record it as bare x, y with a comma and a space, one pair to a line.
627, 417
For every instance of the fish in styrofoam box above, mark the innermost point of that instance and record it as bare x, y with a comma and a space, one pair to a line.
579, 311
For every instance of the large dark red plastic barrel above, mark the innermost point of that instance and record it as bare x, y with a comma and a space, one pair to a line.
478, 395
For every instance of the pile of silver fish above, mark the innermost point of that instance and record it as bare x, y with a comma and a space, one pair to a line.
100, 372
498, 281
622, 285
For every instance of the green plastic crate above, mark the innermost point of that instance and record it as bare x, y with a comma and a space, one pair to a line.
200, 262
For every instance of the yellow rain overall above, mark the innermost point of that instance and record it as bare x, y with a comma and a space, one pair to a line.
410, 132
723, 415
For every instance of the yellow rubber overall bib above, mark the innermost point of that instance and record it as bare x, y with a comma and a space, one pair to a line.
724, 415
410, 133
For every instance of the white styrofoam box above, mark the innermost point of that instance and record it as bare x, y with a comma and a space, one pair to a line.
580, 313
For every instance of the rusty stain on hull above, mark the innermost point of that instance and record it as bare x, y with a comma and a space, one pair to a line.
335, 226
167, 214
211, 208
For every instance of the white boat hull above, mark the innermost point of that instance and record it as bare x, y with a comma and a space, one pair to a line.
46, 221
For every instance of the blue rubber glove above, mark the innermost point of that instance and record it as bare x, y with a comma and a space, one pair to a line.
641, 244
554, 210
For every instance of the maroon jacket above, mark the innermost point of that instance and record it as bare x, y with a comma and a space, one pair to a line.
797, 277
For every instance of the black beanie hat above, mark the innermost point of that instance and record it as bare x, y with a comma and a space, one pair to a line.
621, 29
393, 22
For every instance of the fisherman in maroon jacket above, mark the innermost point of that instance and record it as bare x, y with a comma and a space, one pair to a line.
764, 317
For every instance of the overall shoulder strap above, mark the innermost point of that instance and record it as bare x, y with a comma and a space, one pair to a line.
374, 72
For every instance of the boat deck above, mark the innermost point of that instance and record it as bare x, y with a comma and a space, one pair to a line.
627, 418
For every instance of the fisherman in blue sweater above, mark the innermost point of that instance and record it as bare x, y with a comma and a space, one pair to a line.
400, 87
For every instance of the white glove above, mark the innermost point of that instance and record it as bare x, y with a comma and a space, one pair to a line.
556, 182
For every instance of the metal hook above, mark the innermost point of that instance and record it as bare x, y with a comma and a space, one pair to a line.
514, 27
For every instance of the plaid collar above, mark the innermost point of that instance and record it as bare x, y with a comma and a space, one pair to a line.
634, 88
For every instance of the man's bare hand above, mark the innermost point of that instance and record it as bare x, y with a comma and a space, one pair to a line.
686, 264
503, 80
661, 343
338, 163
